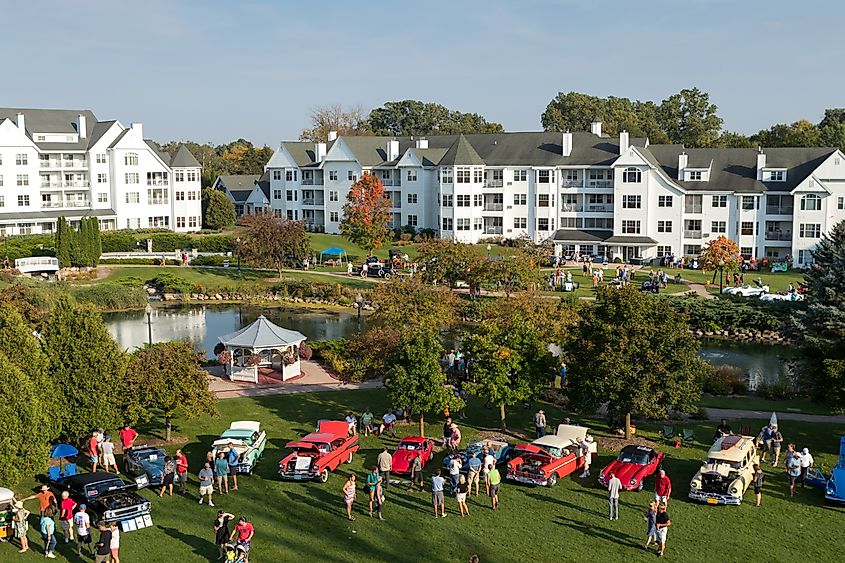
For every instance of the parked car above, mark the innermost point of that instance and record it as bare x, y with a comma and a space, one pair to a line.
632, 466
794, 296
727, 472
499, 448
835, 489
407, 450
746, 290
145, 460
109, 498
7, 500
547, 459
320, 452
248, 439
649, 286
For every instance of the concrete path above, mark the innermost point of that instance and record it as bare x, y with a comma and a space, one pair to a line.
735, 414
315, 380
699, 290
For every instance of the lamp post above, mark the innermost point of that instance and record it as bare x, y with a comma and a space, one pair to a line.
149, 311
359, 304
721, 269
238, 252
489, 248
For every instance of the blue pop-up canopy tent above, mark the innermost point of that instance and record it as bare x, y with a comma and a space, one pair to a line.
334, 251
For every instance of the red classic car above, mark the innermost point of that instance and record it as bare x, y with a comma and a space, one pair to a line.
320, 452
549, 458
408, 449
633, 465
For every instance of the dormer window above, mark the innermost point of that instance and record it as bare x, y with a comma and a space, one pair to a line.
632, 176
695, 175
776, 176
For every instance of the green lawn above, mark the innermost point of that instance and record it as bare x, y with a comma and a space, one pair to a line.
305, 521
777, 281
752, 403
586, 282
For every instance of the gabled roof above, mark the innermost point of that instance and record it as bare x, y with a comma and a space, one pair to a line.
184, 159
237, 181
120, 137
262, 334
54, 121
264, 184
461, 153
100, 129
429, 157
732, 169
799, 163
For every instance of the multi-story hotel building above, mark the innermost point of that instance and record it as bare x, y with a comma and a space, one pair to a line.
66, 163
589, 193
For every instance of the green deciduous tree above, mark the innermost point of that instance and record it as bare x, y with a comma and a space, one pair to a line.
268, 241
88, 368
351, 121
412, 117
165, 380
799, 134
366, 213
217, 211
820, 329
636, 354
63, 239
731, 140
689, 118
415, 379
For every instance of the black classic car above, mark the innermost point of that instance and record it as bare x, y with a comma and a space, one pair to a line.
145, 460
109, 498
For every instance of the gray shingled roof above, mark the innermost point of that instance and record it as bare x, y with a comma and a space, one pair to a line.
264, 183
630, 239
262, 334
240, 196
53, 214
54, 121
461, 153
184, 159
237, 181
578, 235
429, 157
799, 163
100, 129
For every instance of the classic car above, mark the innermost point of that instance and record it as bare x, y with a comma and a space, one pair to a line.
408, 449
547, 459
747, 290
835, 490
794, 296
632, 466
320, 452
145, 460
7, 505
500, 449
727, 472
248, 439
109, 498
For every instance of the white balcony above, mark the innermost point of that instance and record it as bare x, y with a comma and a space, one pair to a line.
77, 184
692, 234
75, 163
599, 183
493, 206
493, 183
78, 203
492, 230
159, 201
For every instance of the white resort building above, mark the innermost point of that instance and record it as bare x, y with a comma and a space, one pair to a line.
66, 163
589, 193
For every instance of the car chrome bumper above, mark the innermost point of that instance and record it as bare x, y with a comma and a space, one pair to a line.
541, 481
715, 498
833, 499
242, 468
288, 476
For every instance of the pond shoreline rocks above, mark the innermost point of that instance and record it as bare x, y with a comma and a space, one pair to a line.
744, 335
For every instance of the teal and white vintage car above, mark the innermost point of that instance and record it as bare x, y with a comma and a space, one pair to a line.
248, 439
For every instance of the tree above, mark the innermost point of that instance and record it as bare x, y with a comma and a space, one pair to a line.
412, 117
366, 213
164, 380
514, 273
270, 242
799, 134
96, 242
415, 379
731, 140
820, 329
27, 432
346, 122
217, 211
689, 118
88, 368
721, 253
508, 362
573, 111
636, 354
448, 262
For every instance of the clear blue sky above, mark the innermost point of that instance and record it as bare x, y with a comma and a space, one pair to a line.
218, 70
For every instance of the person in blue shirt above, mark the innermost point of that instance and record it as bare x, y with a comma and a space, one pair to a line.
474, 473
232, 458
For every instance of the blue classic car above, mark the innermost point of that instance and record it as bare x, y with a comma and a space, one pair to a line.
835, 490
145, 460
500, 449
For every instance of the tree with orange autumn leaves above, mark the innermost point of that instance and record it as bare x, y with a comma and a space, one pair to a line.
722, 251
366, 214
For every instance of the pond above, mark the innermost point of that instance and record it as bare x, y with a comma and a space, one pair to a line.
203, 324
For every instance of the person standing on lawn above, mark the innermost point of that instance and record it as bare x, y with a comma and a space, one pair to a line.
103, 546
181, 471
461, 495
372, 480
82, 521
651, 524
455, 440
167, 476
244, 531
46, 499
764, 441
48, 533
777, 440
416, 473
586, 445
807, 462
221, 470
379, 499
437, 497
128, 436
662, 523
614, 485
93, 451
66, 508
495, 481
486, 461
221, 531
540, 423
473, 473
232, 457
206, 476
454, 472
349, 495
757, 479
20, 523
447, 433
114, 543
107, 449
793, 471
385, 465
662, 487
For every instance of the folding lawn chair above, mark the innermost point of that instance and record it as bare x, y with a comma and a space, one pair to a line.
688, 435
667, 432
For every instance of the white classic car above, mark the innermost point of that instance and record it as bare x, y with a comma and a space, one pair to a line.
247, 438
794, 296
747, 290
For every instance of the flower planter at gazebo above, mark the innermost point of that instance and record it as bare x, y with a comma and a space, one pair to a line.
261, 345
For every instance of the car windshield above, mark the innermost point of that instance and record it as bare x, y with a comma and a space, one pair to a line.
101, 488
151, 455
554, 452
731, 464
411, 446
633, 456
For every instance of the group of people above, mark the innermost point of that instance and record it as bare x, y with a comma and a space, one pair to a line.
656, 516
233, 546
368, 424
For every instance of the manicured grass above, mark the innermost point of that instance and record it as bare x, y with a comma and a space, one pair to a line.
586, 282
751, 403
305, 521
777, 281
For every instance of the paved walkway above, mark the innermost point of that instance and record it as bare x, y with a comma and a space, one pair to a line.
315, 380
735, 414
699, 290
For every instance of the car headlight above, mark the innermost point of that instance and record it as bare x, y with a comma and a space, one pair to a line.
830, 490
734, 490
693, 485
146, 506
632, 482
601, 474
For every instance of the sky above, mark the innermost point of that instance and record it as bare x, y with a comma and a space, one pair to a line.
217, 70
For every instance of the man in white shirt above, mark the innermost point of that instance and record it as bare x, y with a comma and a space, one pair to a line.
488, 461
614, 485
82, 521
807, 462
455, 471
388, 423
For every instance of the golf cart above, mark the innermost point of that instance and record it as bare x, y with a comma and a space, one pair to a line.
7, 506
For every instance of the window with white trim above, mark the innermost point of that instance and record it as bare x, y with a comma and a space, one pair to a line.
463, 224
478, 175
520, 175
777, 175
632, 202
462, 175
131, 177
810, 230
746, 228
21, 159
100, 158
102, 197
746, 252
718, 227
180, 196
632, 175
749, 202
630, 227
412, 220
447, 201
291, 195
334, 196
840, 202
542, 200
334, 216
463, 201
520, 199
130, 159
23, 179
811, 202
447, 223
23, 201
333, 175
193, 195
277, 175
180, 222
695, 176
290, 175
520, 222
277, 194
351, 176
664, 250
193, 222
805, 257
477, 200
545, 176
133, 197
664, 201
664, 226
719, 201
542, 224
446, 177
411, 175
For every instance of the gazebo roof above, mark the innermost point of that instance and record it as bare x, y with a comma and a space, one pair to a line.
262, 334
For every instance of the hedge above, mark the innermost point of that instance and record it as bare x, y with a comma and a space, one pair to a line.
735, 313
24, 246
127, 241
141, 261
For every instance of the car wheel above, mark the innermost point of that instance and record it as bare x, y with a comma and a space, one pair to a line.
349, 459
323, 476
386, 275
552, 480
640, 487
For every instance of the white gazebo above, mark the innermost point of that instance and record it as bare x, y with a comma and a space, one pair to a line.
262, 345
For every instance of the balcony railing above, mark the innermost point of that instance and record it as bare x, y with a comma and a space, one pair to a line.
308, 181
692, 208
47, 185
493, 206
51, 164
599, 207
157, 182
492, 230
572, 183
159, 201
77, 184
76, 163
778, 235
78, 203
51, 204
692, 234
493, 183
599, 183
778, 210
391, 182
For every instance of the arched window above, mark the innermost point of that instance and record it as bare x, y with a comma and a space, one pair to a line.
811, 202
632, 176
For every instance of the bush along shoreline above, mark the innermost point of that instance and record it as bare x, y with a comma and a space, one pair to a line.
739, 319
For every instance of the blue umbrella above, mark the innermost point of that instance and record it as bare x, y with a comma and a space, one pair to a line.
63, 450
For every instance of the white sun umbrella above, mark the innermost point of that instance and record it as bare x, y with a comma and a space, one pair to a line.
774, 420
